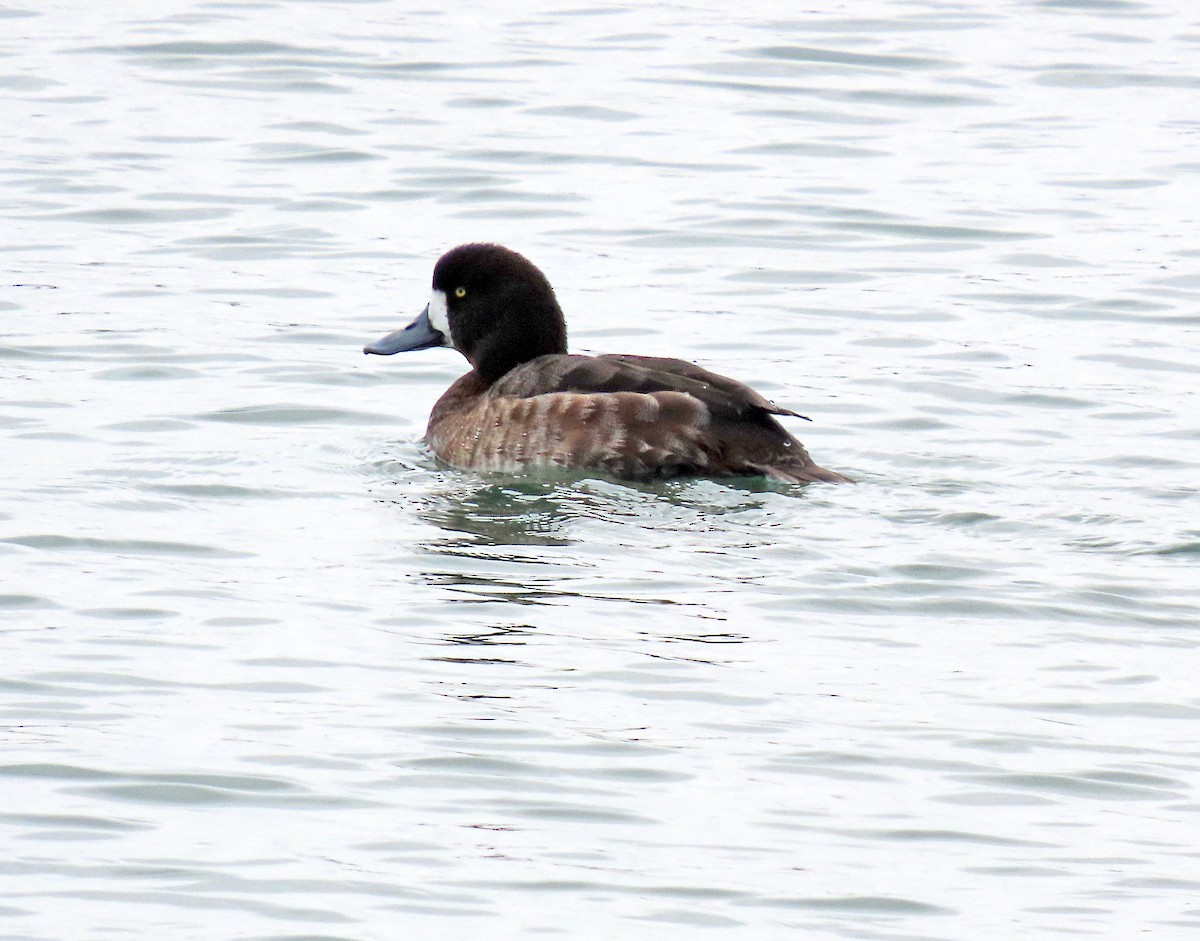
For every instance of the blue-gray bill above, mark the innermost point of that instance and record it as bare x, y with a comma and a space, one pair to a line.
418, 335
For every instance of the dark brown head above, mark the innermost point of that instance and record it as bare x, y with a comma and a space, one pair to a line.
489, 303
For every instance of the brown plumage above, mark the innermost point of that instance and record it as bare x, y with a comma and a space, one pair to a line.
526, 402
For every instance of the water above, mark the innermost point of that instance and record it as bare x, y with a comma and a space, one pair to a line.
271, 673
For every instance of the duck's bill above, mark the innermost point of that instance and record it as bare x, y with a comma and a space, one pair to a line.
418, 335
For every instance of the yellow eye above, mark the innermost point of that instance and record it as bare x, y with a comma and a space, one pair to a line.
460, 292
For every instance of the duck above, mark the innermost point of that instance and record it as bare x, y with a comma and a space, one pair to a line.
527, 403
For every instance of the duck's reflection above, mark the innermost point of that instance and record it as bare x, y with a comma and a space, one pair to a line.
537, 541
466, 510
584, 553
513, 512
565, 510
557, 508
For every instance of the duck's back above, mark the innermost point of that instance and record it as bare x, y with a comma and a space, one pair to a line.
636, 417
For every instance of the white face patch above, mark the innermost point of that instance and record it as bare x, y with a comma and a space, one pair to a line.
439, 318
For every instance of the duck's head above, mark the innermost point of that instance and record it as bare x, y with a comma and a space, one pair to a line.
489, 303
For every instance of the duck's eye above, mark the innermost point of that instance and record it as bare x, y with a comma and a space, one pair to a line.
460, 292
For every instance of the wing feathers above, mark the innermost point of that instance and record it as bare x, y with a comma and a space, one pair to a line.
628, 373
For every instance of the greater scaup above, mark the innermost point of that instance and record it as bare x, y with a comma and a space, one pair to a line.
527, 402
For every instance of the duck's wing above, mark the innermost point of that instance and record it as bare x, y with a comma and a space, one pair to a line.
723, 397
634, 416
738, 394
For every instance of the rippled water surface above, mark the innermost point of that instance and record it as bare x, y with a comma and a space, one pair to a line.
270, 672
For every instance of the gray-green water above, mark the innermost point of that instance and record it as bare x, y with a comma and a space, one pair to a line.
271, 673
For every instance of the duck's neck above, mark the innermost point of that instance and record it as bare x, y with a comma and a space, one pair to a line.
535, 328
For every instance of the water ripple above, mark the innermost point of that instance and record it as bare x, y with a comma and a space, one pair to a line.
274, 672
